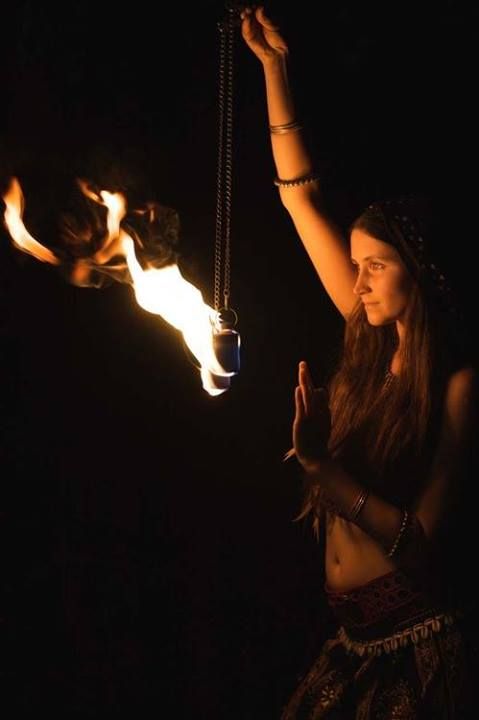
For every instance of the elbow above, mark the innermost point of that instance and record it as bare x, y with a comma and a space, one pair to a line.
426, 525
300, 196
414, 547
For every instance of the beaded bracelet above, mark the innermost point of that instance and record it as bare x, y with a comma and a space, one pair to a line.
395, 544
304, 180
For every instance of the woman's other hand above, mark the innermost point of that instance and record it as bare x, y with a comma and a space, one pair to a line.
312, 422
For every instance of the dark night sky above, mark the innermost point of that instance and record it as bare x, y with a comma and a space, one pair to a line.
151, 557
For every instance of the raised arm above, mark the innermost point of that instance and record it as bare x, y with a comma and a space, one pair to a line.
325, 245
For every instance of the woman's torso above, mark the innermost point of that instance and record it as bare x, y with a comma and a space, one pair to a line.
352, 557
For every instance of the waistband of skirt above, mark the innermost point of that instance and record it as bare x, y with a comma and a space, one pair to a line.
391, 643
382, 606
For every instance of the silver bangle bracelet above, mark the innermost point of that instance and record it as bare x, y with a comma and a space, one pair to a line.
358, 504
285, 128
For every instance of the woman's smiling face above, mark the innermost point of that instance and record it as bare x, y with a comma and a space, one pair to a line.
383, 283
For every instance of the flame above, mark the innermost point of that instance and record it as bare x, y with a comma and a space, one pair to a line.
165, 292
161, 291
116, 206
13, 216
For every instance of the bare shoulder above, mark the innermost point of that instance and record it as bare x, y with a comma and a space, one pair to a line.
454, 452
460, 402
465, 376
462, 387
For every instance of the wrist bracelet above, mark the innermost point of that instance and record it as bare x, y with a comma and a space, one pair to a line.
358, 504
285, 128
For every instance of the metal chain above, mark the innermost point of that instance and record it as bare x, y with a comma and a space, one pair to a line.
225, 161
219, 170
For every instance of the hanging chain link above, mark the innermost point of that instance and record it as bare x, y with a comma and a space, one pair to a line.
225, 161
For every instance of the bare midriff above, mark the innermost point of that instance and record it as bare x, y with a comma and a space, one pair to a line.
352, 557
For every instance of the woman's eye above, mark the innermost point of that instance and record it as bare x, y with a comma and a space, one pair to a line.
377, 266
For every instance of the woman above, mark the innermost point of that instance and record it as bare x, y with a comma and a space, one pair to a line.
386, 453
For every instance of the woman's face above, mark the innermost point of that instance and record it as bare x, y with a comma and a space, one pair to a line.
383, 283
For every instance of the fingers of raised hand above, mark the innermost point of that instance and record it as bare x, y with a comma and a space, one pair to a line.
299, 403
261, 33
307, 388
272, 33
251, 28
246, 24
265, 20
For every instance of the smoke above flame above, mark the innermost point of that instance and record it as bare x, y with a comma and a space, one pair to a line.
107, 242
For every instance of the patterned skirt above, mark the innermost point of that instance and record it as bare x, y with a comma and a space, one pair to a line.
395, 657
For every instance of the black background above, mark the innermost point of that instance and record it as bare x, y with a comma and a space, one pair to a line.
152, 565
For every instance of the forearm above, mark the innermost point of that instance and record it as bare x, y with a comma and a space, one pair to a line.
290, 153
322, 239
381, 520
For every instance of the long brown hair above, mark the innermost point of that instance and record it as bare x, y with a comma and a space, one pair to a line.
384, 433
390, 419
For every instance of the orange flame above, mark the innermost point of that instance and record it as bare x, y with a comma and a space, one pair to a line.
165, 292
161, 291
13, 216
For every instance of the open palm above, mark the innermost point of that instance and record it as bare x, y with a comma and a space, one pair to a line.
312, 421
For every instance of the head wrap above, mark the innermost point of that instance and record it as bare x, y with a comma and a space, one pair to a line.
408, 224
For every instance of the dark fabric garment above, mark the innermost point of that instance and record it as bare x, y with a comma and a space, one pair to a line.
424, 678
382, 607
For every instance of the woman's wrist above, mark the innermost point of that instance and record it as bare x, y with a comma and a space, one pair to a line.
312, 469
274, 61
275, 69
315, 470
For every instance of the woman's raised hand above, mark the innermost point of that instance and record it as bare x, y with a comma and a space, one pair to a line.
261, 35
312, 422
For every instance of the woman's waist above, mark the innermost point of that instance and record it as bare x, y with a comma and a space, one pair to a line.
387, 604
343, 574
352, 560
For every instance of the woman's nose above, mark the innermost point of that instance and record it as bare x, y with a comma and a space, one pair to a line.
361, 286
